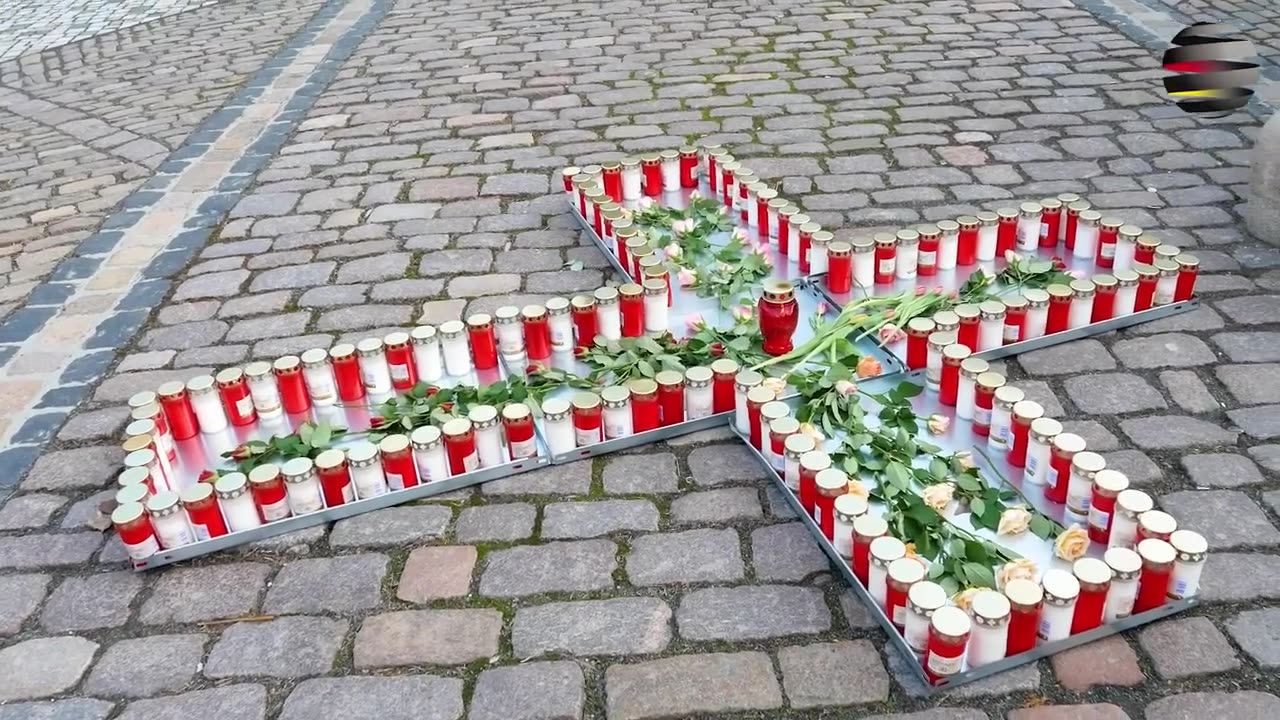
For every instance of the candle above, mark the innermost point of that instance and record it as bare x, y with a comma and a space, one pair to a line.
587, 418
1104, 298
769, 412
1158, 558
1148, 279
902, 574
234, 392
1040, 438
1145, 252
1156, 524
1108, 237
608, 317
1087, 232
1029, 226
784, 231
948, 636
811, 463
933, 364
886, 258
267, 486
744, 381
1024, 414
864, 262
970, 325
728, 188
802, 230
426, 355
846, 509
723, 372
698, 397
1085, 466
840, 267
1081, 311
1125, 293
715, 157
646, 414
866, 528
335, 478
1071, 216
237, 504
317, 375
1167, 283
366, 470
203, 512
1192, 550
988, 236
780, 430
208, 408
1126, 246
1061, 590
989, 642
617, 411
947, 322
1125, 565
1050, 220
631, 304
168, 520
399, 464
907, 255
1059, 318
793, 449
819, 251
1037, 320
967, 242
517, 425
1002, 417
927, 254
970, 369
651, 167
488, 436
630, 178
400, 356
484, 350
830, 484
264, 392
430, 462
949, 384
558, 427
1107, 486
1065, 447
884, 550
923, 600
984, 402
1025, 600
991, 326
537, 333
1094, 577
948, 244
918, 331
654, 304
302, 487
1006, 230
1015, 316
1124, 523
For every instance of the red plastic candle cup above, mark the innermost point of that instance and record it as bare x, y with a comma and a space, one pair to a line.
537, 333
611, 172
811, 463
1024, 413
952, 356
517, 426
133, 525
970, 321
722, 373
745, 180
886, 258
756, 399
1059, 309
779, 314
1145, 252
866, 528
1073, 220
335, 478
927, 252
484, 344
178, 411
716, 156
1006, 230
1025, 599
235, 397
460, 446
948, 637
967, 244
1158, 557
1015, 317
764, 198
829, 484
839, 267
293, 389
984, 398
203, 511
266, 484
403, 369
651, 167
670, 397
1148, 277
728, 185
1095, 579
918, 332
1050, 222
584, 320
588, 418
1108, 236
1107, 486
346, 372
902, 574
398, 462
1188, 269
631, 305
805, 242
688, 167
1064, 449
646, 413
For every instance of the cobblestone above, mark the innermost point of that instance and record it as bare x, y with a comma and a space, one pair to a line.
841, 673
719, 464
147, 666
620, 626
558, 566
752, 613
1242, 705
690, 684
89, 603
433, 573
427, 637
20, 595
1227, 518
1113, 393
1221, 470
529, 692
197, 594
716, 506
649, 473
503, 522
391, 526
1110, 661
685, 557
43, 667
1187, 646
288, 647
407, 697
351, 582
591, 519
786, 552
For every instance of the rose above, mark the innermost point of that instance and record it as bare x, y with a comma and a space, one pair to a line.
938, 424
673, 251
687, 277
695, 195
645, 203
846, 388
891, 333
939, 496
1014, 521
822, 309
964, 598
812, 431
776, 385
241, 453
208, 476
965, 458
695, 323
868, 367
741, 313
1020, 569
1011, 257
856, 488
1058, 264
1072, 544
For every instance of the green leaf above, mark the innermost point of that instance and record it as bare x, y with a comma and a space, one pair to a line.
1042, 526
950, 586
938, 469
646, 368
980, 575
977, 506
956, 549
305, 432
320, 437
968, 483
936, 570
851, 466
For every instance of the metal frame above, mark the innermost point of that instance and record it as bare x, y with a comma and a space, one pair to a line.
899, 642
346, 510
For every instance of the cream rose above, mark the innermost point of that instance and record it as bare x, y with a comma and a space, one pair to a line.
776, 385
966, 460
964, 598
812, 431
1020, 569
1014, 521
856, 487
1072, 544
938, 424
939, 496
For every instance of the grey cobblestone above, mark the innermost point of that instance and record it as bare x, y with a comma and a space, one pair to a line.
288, 647
685, 557
752, 613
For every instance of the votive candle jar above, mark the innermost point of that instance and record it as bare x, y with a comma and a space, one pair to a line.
1025, 413
967, 241
1126, 566
991, 327
923, 600
585, 328
938, 340
1104, 298
884, 550
743, 382
453, 346
1006, 230
402, 366
1087, 232
426, 353
989, 641
927, 253
1029, 221
484, 345
631, 179
1158, 558
1061, 591
970, 325
1037, 321
608, 315
1124, 522
886, 258
178, 412
984, 402
948, 244
779, 314
1040, 438
1015, 317
1082, 298
1188, 270
1107, 486
517, 426
966, 393
1146, 250
1085, 466
655, 307
670, 397
631, 305
1108, 238
208, 407
133, 525
375, 373
237, 504
988, 236
460, 446
698, 396
169, 521
617, 412
1050, 221
399, 458
203, 512
902, 574
688, 167
588, 418
537, 333
1148, 279
1026, 599
1061, 455
1156, 524
485, 423
1192, 550
302, 487
234, 391
840, 267
794, 448
864, 262
1002, 417
1167, 282
907, 254
267, 485
949, 382
366, 470
830, 484
949, 630
1126, 293
1094, 577
1126, 247
1071, 217
866, 529
723, 372
811, 463
335, 478
847, 509
918, 331
318, 376
646, 413
558, 425
1059, 319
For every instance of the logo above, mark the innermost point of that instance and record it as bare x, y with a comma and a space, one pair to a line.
1214, 69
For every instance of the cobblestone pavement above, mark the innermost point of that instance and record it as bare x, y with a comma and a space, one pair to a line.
30, 26
84, 125
670, 581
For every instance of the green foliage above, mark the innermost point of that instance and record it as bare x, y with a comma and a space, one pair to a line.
310, 440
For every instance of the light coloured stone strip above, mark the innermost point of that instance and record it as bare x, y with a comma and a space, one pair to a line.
43, 357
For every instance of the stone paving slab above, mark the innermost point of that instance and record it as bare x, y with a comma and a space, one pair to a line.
417, 188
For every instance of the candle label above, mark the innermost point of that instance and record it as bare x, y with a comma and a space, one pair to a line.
308, 505
276, 510
1010, 333
939, 665
1099, 518
372, 488
615, 429
399, 372
470, 462
144, 549
369, 377
175, 536
1107, 250
523, 448
699, 409
586, 437
1044, 230
1045, 628
1027, 237
899, 614
928, 257
244, 406
1032, 468
817, 514
202, 531
395, 481
981, 416
887, 266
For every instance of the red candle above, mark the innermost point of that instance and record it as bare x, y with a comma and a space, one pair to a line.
1065, 447
784, 229
397, 461
1158, 557
716, 156
805, 239
1073, 220
1024, 413
1108, 236
346, 372
952, 356
970, 321
235, 397
1015, 317
811, 463
1107, 486
1156, 525
177, 410
399, 353
839, 267
1104, 298
984, 397
670, 397
1146, 251
651, 166
631, 304
537, 333
886, 258
918, 332
1148, 276
779, 315
903, 573
745, 179
927, 253
727, 186
1025, 598
1188, 268
293, 390
829, 485
780, 431
646, 413
1006, 231
865, 529
584, 320
335, 478
763, 200
1050, 221
612, 175
133, 525
459, 447
723, 372
202, 509
588, 418
1095, 579
967, 245
266, 484
948, 636
689, 167
484, 346
1059, 309
756, 399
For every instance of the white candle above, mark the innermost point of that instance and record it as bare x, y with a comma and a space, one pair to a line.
453, 344
1087, 235
318, 377
374, 372
988, 236
236, 502
558, 425
1039, 449
302, 486
1192, 549
608, 316
884, 550
1061, 589
429, 455
366, 470
948, 244
210, 414
263, 390
1126, 566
